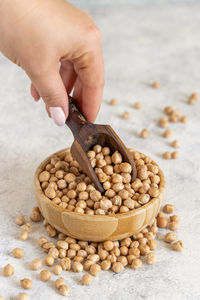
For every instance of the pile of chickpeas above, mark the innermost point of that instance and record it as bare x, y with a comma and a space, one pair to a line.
66, 185
69, 254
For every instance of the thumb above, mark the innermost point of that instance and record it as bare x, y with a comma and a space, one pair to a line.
51, 89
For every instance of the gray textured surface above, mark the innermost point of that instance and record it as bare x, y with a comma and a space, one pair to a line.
142, 43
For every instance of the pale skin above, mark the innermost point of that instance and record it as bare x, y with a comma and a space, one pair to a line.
59, 47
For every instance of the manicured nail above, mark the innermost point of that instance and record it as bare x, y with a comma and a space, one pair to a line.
57, 115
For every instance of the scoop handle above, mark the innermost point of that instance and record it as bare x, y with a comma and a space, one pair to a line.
76, 120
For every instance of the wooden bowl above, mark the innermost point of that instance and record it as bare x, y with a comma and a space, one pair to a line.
92, 227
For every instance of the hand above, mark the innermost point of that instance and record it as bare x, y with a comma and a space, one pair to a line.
59, 47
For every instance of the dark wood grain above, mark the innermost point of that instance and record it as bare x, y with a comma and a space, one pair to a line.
86, 135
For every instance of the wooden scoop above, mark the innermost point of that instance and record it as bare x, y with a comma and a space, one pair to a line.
86, 135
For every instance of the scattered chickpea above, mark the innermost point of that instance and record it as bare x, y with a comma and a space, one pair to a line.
49, 261
174, 218
155, 84
59, 282
166, 155
64, 290
26, 283
168, 110
137, 105
23, 296
117, 267
192, 99
17, 253
163, 122
178, 246
86, 279
23, 235
162, 222
57, 269
167, 133
175, 144
8, 270
151, 258
95, 269
126, 115
169, 208
108, 245
175, 155
136, 264
36, 264
20, 220
173, 225
144, 133
184, 119
113, 101
170, 237
77, 267
45, 275
105, 265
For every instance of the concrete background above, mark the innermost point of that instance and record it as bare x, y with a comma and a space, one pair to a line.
143, 42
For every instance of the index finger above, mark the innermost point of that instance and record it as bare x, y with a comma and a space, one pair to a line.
90, 82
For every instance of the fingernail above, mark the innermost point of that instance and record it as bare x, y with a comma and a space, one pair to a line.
57, 115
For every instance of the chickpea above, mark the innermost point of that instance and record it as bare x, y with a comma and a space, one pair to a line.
155, 84
108, 245
175, 155
175, 144
144, 249
178, 246
23, 296
170, 237
23, 235
42, 241
17, 253
169, 208
136, 264
143, 198
8, 270
113, 101
105, 265
144, 133
116, 158
77, 267
64, 290
45, 275
168, 110
49, 260
152, 244
26, 283
117, 267
36, 264
162, 222
151, 258
66, 263
167, 133
44, 176
20, 220
51, 231
70, 177
59, 282
137, 105
95, 269
174, 218
86, 279
166, 155
95, 195
173, 225
50, 192
123, 260
126, 115
87, 264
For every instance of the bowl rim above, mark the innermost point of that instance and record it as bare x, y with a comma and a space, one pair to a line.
39, 190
